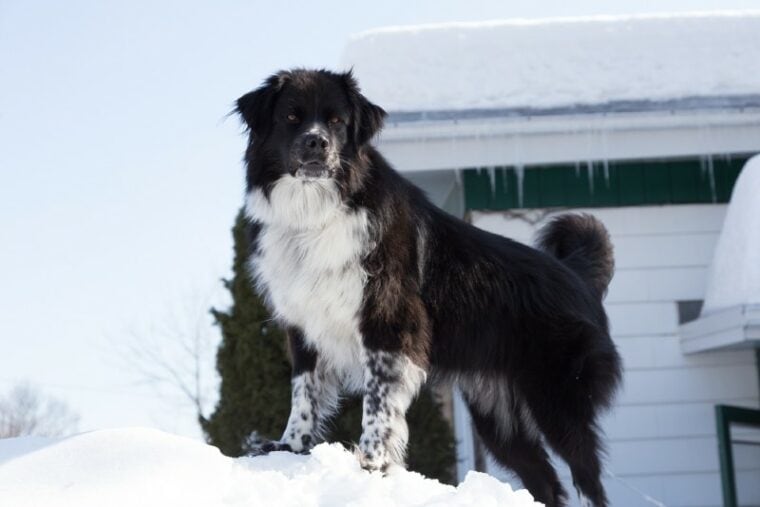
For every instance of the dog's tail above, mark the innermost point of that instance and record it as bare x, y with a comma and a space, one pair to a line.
582, 243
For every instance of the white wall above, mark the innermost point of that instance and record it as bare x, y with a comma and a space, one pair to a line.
661, 433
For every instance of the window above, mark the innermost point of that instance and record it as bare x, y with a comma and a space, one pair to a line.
689, 310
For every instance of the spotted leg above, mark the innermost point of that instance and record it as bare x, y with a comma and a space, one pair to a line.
314, 399
391, 382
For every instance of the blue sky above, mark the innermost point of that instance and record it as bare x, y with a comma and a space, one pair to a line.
120, 173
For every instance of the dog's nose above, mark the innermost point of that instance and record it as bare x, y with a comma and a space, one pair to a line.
315, 144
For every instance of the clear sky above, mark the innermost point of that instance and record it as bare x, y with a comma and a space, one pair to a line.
120, 174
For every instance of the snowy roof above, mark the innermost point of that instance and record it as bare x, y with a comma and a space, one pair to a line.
632, 62
735, 271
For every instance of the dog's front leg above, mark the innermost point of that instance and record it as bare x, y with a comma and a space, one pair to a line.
314, 399
391, 381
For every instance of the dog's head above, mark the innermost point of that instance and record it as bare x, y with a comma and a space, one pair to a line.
309, 124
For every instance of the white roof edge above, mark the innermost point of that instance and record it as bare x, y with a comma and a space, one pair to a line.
522, 141
544, 124
731, 13
730, 328
698, 104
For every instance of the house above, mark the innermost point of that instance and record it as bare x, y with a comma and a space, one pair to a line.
643, 121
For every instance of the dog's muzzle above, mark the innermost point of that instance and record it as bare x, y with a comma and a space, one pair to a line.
313, 171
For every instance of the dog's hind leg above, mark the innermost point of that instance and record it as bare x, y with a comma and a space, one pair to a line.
567, 419
522, 452
580, 447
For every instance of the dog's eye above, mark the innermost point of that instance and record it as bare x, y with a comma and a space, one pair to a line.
334, 120
292, 118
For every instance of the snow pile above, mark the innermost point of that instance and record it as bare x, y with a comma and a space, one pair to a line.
558, 62
147, 467
735, 272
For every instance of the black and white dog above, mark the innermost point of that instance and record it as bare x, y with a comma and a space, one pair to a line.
379, 290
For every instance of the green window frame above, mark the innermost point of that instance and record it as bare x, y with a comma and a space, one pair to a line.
725, 416
594, 184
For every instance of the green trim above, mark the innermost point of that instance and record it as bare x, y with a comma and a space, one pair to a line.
595, 184
724, 416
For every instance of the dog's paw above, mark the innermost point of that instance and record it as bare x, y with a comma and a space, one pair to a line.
372, 461
264, 448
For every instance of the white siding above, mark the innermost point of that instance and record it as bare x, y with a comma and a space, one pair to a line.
661, 433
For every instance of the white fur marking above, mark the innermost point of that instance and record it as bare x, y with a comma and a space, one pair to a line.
494, 395
308, 266
491, 394
301, 403
314, 399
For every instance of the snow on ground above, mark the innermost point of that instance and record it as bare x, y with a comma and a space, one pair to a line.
558, 62
735, 272
150, 468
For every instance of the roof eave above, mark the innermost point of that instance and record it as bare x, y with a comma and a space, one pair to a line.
483, 141
692, 103
732, 328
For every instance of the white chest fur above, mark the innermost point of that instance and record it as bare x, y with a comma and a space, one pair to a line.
308, 264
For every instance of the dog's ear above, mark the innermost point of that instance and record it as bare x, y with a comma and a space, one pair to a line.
257, 107
367, 117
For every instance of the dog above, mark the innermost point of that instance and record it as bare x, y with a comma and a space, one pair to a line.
380, 291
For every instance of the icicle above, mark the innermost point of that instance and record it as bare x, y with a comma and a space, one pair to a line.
711, 174
707, 168
492, 176
606, 172
706, 161
520, 172
590, 173
605, 159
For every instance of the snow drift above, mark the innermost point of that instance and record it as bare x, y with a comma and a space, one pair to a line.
735, 272
150, 468
558, 62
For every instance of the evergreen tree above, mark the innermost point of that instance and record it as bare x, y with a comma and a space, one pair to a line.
255, 389
251, 361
